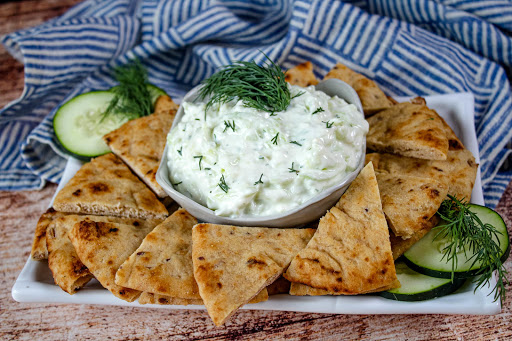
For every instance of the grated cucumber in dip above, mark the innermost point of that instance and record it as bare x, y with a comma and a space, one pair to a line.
241, 161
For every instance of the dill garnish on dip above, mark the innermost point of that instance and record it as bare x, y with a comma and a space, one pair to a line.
265, 146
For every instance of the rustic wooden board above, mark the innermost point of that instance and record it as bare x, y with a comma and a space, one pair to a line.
19, 212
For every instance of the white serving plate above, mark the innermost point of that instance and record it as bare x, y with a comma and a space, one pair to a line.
35, 283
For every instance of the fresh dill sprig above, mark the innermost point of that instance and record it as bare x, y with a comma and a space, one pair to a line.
259, 181
274, 139
229, 124
295, 142
259, 87
132, 98
320, 109
223, 185
200, 157
180, 150
292, 169
465, 232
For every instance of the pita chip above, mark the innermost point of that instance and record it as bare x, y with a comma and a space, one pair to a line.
233, 264
372, 97
106, 186
39, 249
140, 144
104, 246
350, 253
409, 202
298, 289
151, 298
458, 171
68, 271
408, 129
400, 245
301, 75
162, 264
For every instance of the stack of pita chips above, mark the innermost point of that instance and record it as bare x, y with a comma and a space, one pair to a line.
104, 212
419, 161
350, 253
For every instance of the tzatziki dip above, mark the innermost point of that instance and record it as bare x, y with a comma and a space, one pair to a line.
240, 161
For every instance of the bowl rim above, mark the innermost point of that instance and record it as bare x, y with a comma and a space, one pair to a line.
163, 180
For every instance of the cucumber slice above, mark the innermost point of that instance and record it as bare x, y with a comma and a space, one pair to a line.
79, 124
426, 255
419, 287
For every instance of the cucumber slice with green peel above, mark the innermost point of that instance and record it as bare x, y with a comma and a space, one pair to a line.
79, 126
419, 287
426, 255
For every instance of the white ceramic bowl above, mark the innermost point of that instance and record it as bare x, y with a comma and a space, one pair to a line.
309, 211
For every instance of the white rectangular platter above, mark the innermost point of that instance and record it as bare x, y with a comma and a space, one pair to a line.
35, 282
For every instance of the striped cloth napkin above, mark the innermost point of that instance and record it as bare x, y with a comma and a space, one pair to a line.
409, 47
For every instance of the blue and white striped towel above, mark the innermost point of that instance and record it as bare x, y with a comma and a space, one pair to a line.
409, 47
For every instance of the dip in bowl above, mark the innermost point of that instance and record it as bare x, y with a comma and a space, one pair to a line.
236, 165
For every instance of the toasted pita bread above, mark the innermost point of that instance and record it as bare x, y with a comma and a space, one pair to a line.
372, 98
39, 249
151, 298
458, 171
301, 75
409, 202
162, 264
104, 246
233, 264
68, 271
298, 289
279, 286
350, 253
165, 105
408, 129
140, 144
400, 245
106, 186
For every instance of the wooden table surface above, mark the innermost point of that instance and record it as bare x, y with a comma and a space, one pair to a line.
19, 212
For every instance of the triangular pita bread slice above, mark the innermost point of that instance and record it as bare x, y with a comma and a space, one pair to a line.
104, 246
140, 144
162, 264
68, 270
106, 186
298, 289
233, 264
372, 98
279, 286
151, 298
301, 75
350, 253
400, 245
408, 129
458, 170
409, 201
39, 249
